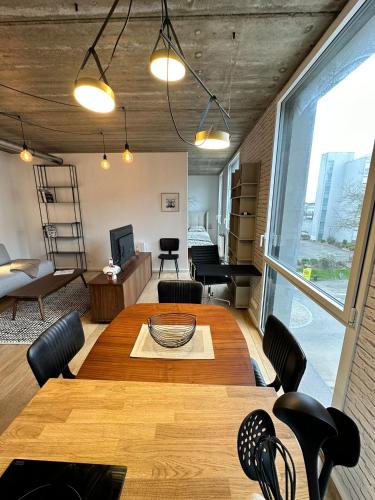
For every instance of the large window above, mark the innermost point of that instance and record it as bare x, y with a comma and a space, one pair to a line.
322, 198
324, 151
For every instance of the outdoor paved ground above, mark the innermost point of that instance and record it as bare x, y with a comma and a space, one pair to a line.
321, 337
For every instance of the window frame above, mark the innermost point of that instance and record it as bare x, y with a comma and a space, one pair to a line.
344, 313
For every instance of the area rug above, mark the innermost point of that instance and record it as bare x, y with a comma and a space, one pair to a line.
28, 324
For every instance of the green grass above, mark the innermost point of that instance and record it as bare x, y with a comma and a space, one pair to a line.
327, 274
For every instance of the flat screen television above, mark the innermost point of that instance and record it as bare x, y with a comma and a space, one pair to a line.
122, 244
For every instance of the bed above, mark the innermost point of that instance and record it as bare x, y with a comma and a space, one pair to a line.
198, 229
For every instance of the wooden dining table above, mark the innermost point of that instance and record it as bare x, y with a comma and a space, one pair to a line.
178, 441
110, 359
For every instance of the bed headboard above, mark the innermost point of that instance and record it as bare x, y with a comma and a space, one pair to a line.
199, 218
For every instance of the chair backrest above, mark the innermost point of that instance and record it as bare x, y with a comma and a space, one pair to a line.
205, 255
285, 355
50, 354
169, 244
180, 291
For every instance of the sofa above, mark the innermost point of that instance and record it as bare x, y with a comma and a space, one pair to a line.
10, 280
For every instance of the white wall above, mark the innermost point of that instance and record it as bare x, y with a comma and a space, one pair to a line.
16, 221
125, 194
203, 195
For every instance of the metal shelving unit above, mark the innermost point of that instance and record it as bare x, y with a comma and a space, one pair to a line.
60, 214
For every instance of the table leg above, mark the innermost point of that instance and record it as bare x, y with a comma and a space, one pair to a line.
15, 303
41, 308
84, 281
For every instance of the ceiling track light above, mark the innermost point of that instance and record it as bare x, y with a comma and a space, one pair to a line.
169, 64
96, 94
165, 64
104, 163
25, 154
212, 138
127, 155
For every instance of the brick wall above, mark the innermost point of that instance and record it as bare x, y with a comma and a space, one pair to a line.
258, 147
359, 482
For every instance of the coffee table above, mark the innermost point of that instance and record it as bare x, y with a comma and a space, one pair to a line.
38, 289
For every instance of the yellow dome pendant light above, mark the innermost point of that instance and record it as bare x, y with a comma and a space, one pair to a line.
104, 163
127, 155
212, 139
96, 94
25, 154
166, 64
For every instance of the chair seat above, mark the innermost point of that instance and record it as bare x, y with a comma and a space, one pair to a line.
259, 380
167, 256
213, 280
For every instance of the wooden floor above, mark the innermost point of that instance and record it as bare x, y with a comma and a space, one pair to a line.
18, 384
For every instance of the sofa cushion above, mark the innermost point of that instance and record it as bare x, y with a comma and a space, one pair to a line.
11, 281
4, 255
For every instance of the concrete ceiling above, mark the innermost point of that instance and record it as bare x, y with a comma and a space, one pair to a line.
43, 44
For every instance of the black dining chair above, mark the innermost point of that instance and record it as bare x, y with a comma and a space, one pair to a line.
180, 291
285, 355
169, 245
50, 354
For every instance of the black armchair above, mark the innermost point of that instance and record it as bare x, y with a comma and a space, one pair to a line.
207, 255
50, 354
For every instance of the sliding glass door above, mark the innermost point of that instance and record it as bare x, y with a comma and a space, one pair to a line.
322, 199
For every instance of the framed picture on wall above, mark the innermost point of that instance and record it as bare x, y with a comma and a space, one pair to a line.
170, 202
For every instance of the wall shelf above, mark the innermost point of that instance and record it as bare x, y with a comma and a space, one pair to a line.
60, 214
242, 227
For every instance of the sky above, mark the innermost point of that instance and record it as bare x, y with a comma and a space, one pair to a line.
345, 120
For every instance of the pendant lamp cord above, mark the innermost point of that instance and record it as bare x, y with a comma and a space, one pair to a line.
126, 127
23, 133
103, 142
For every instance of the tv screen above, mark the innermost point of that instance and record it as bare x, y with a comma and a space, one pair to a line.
122, 244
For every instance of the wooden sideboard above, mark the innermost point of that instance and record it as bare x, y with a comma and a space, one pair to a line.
108, 298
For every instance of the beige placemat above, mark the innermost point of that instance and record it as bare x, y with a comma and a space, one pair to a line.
199, 347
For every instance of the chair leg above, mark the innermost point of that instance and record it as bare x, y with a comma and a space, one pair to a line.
176, 265
161, 266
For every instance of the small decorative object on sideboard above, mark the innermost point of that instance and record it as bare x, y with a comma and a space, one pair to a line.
111, 269
172, 329
170, 202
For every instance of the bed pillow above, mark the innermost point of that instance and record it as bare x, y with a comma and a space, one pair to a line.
197, 229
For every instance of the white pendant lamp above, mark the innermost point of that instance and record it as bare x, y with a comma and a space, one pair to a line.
212, 139
94, 95
167, 66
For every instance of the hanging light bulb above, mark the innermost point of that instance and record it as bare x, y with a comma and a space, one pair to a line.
105, 163
166, 65
94, 95
212, 139
25, 154
127, 155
